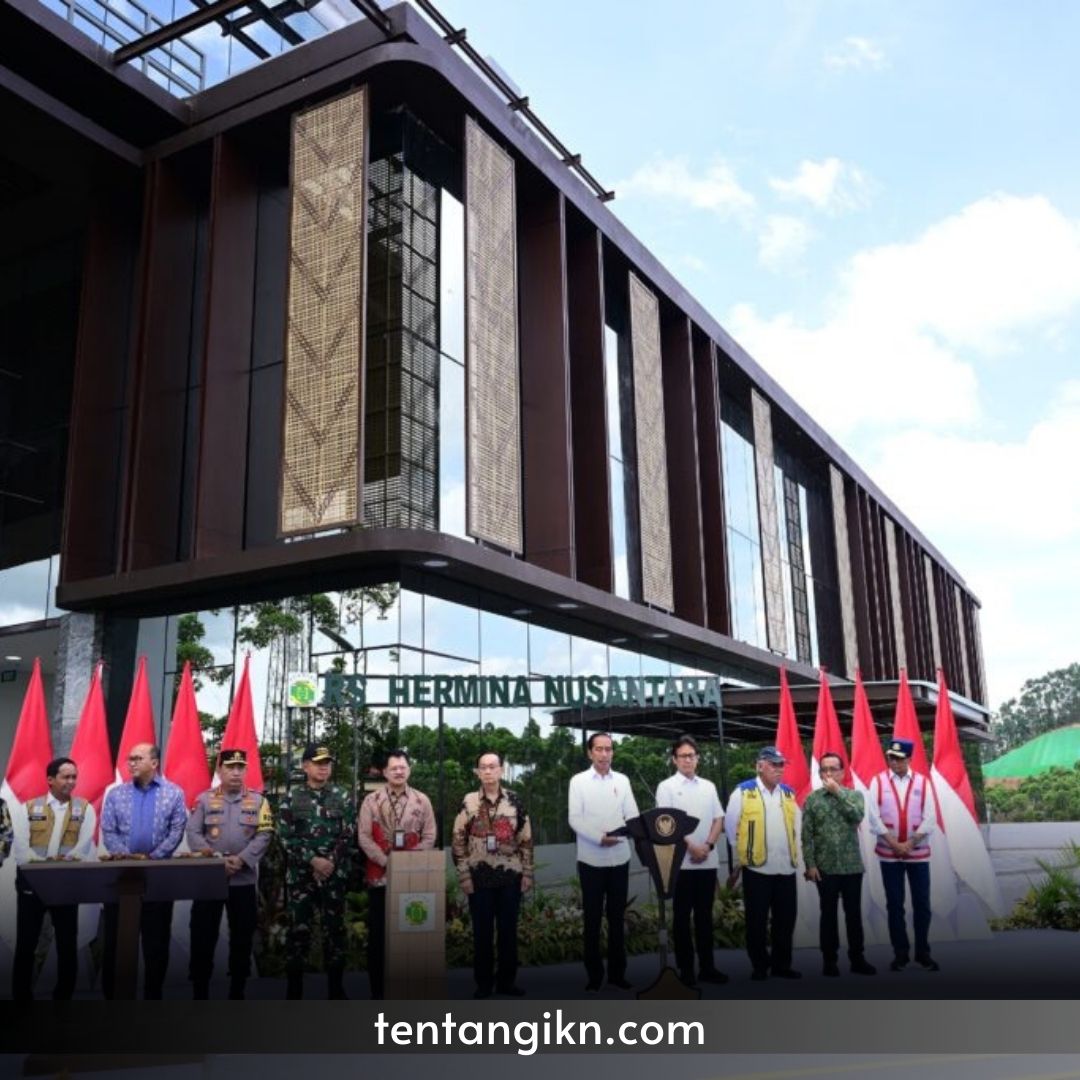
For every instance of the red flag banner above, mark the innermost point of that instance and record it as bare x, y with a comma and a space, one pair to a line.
185, 755
90, 749
906, 725
867, 757
956, 805
827, 735
797, 772
139, 722
32, 748
948, 758
240, 729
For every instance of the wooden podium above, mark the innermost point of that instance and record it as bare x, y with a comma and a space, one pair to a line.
416, 925
127, 882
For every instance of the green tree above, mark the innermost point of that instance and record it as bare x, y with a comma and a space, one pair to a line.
1044, 704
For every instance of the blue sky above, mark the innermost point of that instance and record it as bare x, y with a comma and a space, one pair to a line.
879, 201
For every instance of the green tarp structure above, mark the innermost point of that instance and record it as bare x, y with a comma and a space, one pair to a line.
1055, 749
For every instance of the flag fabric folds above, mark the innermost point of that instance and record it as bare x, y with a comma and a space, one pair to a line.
31, 751
32, 748
240, 729
827, 735
185, 753
796, 774
956, 805
139, 722
90, 749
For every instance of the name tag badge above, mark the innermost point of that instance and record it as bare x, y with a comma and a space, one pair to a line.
399, 839
492, 843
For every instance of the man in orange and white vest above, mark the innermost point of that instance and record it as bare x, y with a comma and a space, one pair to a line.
234, 822
395, 817
56, 825
903, 817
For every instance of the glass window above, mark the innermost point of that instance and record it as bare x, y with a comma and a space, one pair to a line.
451, 277
588, 657
452, 448
616, 464
450, 628
504, 645
549, 651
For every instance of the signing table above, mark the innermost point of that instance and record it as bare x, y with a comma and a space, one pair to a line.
127, 882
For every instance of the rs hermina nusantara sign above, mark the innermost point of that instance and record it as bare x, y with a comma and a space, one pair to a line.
514, 692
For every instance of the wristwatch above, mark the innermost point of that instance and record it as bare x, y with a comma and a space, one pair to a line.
710, 845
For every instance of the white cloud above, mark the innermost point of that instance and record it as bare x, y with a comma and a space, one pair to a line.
782, 242
830, 185
1002, 512
857, 54
1001, 265
908, 320
716, 189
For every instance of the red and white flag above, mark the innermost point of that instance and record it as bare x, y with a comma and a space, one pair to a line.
796, 773
867, 761
827, 736
956, 805
31, 751
138, 724
240, 730
90, 749
32, 748
185, 754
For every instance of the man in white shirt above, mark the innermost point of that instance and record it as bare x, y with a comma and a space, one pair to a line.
763, 825
903, 818
600, 802
695, 887
54, 826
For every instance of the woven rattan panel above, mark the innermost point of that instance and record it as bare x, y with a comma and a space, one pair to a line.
775, 620
655, 523
843, 572
894, 593
323, 354
931, 603
492, 392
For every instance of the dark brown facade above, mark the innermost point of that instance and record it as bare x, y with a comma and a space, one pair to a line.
172, 491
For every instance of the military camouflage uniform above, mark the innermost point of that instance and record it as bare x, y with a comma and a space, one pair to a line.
316, 822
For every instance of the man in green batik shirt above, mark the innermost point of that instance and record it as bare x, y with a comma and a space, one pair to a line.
830, 841
317, 827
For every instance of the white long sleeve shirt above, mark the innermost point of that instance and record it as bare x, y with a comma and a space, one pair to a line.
598, 805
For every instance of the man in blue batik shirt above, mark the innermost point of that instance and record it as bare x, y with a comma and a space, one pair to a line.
145, 817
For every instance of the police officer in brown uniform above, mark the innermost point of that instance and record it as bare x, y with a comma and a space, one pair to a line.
236, 823
56, 826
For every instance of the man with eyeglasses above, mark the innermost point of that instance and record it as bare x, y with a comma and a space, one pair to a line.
695, 887
395, 817
830, 839
762, 824
493, 854
144, 818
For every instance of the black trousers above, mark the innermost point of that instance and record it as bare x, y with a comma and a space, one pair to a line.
376, 941
242, 910
494, 910
604, 890
694, 893
766, 895
155, 927
29, 915
832, 889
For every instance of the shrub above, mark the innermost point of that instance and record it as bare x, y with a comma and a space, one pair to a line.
1052, 903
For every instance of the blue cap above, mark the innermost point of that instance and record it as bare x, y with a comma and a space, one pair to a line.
899, 748
771, 754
